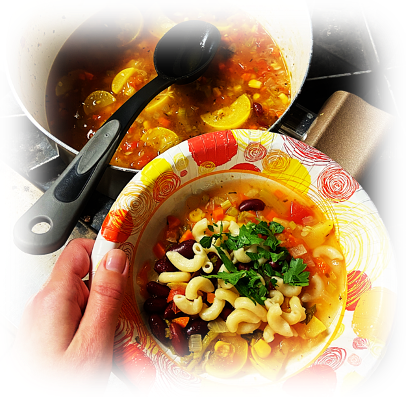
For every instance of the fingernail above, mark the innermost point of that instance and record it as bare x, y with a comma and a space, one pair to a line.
116, 261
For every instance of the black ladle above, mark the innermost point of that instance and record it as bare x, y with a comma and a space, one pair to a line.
181, 56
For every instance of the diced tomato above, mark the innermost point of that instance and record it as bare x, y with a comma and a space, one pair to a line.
176, 291
289, 240
322, 266
164, 122
142, 279
298, 212
172, 221
159, 250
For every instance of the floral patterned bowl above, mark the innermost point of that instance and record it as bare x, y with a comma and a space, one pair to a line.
360, 333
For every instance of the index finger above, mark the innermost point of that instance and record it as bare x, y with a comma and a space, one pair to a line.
74, 259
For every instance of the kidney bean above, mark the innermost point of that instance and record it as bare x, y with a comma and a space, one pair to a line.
185, 248
258, 109
158, 327
252, 205
169, 313
226, 311
275, 265
243, 266
155, 305
164, 265
178, 339
197, 326
158, 290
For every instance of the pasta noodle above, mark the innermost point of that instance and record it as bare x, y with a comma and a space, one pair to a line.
197, 284
187, 265
210, 313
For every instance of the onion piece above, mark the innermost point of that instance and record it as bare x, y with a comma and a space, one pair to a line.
218, 325
195, 343
297, 251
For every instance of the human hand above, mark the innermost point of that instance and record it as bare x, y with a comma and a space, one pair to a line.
66, 334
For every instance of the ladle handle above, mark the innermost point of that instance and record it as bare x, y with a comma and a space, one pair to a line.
58, 210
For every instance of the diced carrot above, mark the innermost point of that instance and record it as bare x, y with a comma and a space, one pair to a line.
172, 221
218, 214
222, 65
246, 76
210, 297
279, 194
290, 240
175, 291
182, 321
186, 236
322, 266
159, 250
164, 122
269, 214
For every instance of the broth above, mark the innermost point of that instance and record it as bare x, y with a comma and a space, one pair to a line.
297, 313
247, 85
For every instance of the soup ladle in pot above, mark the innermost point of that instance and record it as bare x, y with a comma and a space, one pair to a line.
181, 56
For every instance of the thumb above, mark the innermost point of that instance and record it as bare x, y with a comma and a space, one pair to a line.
94, 339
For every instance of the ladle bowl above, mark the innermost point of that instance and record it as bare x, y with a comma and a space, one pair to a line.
181, 56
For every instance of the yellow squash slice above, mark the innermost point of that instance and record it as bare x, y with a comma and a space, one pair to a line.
229, 356
268, 365
160, 138
120, 79
129, 21
232, 116
156, 21
97, 100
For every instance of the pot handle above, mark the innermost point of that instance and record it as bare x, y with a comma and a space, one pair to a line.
46, 226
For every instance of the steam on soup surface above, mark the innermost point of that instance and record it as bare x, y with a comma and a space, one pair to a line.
245, 281
104, 63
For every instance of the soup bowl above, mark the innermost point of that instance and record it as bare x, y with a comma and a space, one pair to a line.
352, 344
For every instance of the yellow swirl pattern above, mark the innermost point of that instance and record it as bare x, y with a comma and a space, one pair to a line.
206, 167
280, 166
153, 170
245, 137
181, 162
138, 200
363, 239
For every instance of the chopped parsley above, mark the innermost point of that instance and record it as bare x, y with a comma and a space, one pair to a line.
250, 283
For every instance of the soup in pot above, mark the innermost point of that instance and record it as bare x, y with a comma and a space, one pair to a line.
103, 63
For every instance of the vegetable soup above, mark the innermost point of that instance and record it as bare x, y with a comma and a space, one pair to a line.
102, 64
245, 282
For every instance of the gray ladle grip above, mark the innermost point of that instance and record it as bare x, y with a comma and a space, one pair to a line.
60, 206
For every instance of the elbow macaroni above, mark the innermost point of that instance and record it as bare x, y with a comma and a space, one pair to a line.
174, 277
197, 284
187, 306
247, 303
188, 265
328, 251
297, 313
240, 316
286, 289
210, 313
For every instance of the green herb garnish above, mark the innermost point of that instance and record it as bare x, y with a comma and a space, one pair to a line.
249, 283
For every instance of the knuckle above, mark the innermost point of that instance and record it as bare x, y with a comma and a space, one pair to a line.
107, 291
